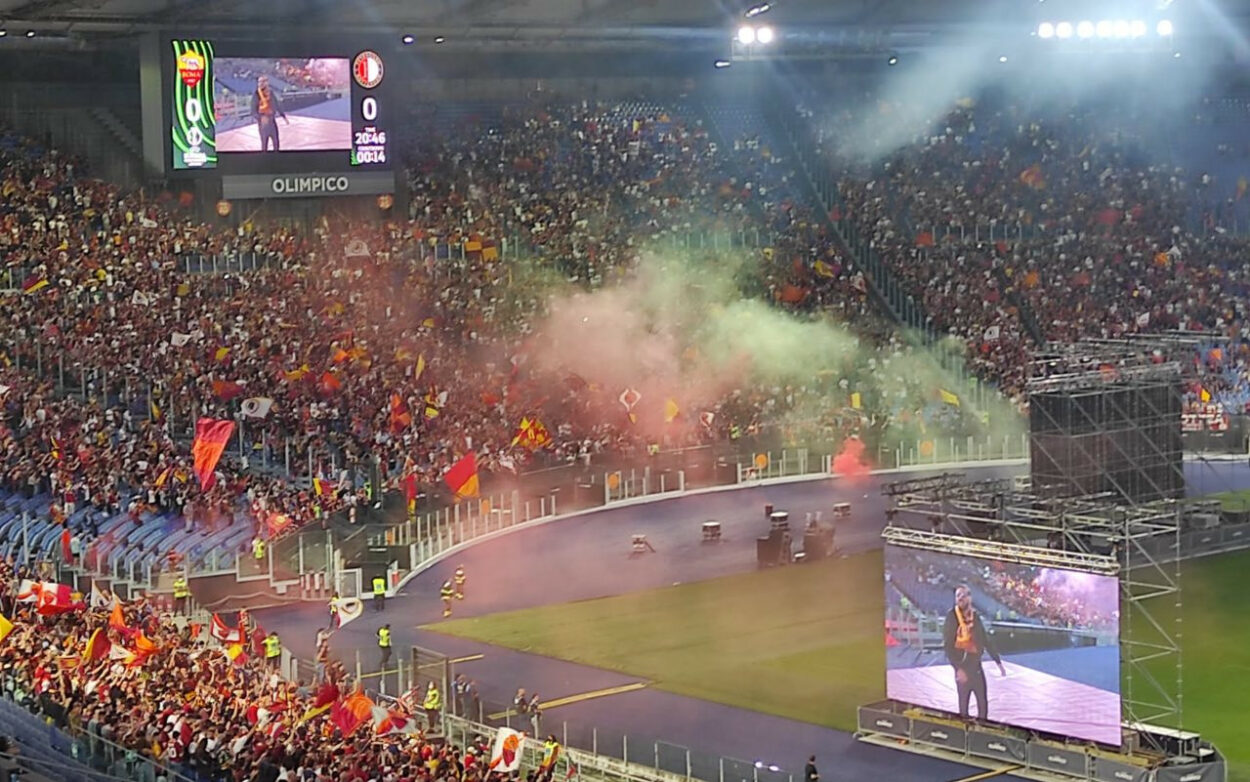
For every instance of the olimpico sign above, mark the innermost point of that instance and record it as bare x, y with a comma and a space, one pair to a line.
310, 185
261, 186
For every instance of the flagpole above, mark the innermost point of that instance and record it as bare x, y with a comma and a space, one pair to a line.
25, 539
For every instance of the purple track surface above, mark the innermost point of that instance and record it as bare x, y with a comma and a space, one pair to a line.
584, 557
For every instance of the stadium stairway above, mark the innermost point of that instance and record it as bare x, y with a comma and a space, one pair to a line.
123, 134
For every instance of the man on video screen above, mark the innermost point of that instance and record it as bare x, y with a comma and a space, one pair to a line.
266, 108
964, 639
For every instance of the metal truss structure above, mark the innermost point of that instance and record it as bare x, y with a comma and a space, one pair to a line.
1003, 519
1106, 417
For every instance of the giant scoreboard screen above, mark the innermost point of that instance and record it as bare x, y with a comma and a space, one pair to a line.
242, 111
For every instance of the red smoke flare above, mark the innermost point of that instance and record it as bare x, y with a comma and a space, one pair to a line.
850, 463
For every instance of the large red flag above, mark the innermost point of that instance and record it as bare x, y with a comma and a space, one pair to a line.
56, 599
352, 712
211, 437
462, 477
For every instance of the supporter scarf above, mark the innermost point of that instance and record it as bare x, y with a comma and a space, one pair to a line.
963, 638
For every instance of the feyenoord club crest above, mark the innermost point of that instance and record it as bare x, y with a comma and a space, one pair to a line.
367, 69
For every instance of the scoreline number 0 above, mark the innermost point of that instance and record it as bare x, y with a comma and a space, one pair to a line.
194, 112
369, 108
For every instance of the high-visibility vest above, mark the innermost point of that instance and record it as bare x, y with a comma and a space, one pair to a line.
334, 607
384, 638
273, 647
459, 575
379, 586
432, 699
258, 548
447, 591
551, 753
180, 588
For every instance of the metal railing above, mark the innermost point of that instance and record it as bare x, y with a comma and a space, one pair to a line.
587, 752
431, 535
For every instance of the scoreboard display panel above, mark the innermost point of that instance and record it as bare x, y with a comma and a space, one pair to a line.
237, 109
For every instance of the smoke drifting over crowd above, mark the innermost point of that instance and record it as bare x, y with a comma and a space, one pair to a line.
679, 329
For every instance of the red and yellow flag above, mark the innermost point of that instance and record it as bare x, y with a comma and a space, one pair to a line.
211, 437
462, 477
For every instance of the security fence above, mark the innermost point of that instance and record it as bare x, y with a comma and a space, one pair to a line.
589, 753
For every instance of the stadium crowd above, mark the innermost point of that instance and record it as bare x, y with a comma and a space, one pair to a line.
994, 212
167, 698
326, 369
344, 371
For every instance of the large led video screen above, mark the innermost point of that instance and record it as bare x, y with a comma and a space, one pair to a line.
266, 104
1023, 645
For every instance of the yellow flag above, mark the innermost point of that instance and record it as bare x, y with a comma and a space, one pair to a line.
671, 411
948, 397
1204, 395
856, 401
420, 367
6, 627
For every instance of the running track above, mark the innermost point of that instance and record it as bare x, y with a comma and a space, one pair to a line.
583, 557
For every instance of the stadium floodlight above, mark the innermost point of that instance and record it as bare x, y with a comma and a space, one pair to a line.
439, 39
1136, 28
3, 32
408, 39
1085, 29
1105, 28
1164, 28
746, 35
719, 64
892, 60
1122, 28
30, 33
1063, 30
764, 35
1045, 30
756, 10
1002, 58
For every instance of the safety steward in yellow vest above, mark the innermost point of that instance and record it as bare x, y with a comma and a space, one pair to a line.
379, 593
433, 702
448, 594
273, 651
258, 550
459, 578
551, 753
384, 643
181, 593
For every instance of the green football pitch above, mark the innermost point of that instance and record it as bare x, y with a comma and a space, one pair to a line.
807, 642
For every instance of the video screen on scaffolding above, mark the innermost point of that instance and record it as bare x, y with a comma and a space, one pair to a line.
1023, 645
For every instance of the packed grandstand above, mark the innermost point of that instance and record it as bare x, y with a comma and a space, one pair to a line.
1008, 228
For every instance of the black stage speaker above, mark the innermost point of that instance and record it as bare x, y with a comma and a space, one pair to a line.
1119, 438
767, 552
817, 544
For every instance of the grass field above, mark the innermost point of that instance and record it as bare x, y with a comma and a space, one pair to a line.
1233, 500
806, 642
